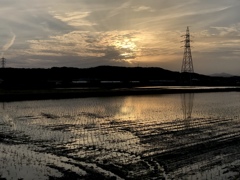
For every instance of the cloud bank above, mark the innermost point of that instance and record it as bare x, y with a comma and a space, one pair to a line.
128, 33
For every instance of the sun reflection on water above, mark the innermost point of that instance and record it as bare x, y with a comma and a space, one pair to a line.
128, 137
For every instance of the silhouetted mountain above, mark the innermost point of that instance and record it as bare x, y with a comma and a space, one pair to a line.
104, 76
221, 75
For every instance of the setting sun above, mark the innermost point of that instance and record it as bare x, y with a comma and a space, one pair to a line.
127, 48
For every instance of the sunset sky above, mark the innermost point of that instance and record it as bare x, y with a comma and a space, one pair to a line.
147, 33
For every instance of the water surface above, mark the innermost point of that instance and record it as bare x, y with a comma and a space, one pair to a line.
179, 136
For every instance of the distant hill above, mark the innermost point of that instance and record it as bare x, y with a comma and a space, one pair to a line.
106, 76
221, 75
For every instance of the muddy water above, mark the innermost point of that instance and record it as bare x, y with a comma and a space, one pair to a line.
180, 136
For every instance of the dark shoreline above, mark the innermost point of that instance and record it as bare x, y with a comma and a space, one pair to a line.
68, 93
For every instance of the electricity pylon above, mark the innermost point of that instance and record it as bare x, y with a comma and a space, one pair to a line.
187, 63
3, 62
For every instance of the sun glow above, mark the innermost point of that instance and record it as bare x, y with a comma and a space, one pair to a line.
128, 44
127, 48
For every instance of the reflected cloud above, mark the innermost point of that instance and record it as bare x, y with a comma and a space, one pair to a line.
6, 119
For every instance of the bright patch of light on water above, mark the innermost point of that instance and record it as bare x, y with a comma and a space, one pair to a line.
179, 136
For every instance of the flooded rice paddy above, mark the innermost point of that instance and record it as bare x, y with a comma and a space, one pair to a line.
179, 136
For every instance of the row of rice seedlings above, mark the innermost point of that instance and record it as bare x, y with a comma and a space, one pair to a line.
93, 134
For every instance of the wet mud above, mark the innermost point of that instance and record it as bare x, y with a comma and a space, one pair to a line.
79, 144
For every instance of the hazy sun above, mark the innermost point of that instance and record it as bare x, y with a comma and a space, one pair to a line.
127, 48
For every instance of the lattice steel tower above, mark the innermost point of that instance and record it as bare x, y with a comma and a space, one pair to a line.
3, 62
187, 63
